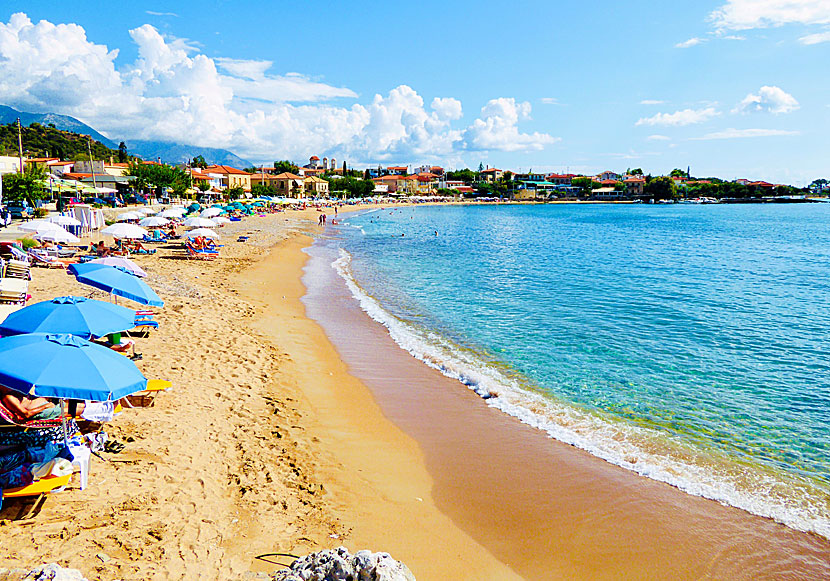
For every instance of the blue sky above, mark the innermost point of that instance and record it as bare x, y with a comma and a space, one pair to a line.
733, 88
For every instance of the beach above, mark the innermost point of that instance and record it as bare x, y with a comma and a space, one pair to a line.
234, 461
287, 431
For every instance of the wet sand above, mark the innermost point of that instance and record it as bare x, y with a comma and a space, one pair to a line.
546, 509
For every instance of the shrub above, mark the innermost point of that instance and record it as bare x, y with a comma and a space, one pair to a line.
27, 243
40, 213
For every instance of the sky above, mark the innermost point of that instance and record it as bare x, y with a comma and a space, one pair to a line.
730, 88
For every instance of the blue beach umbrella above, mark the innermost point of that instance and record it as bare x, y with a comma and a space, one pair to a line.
117, 281
67, 367
78, 316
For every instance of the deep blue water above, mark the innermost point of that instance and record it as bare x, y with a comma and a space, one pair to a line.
687, 343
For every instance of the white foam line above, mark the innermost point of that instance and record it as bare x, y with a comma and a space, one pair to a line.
620, 444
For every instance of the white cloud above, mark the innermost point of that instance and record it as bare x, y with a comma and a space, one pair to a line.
651, 102
153, 13
174, 92
658, 138
549, 101
745, 133
749, 14
497, 128
694, 41
768, 99
680, 118
816, 38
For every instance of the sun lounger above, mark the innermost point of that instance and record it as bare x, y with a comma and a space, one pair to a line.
44, 260
13, 290
200, 254
17, 269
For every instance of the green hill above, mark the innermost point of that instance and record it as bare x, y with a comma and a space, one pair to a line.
47, 141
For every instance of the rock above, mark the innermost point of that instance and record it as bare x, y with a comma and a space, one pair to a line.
50, 572
340, 565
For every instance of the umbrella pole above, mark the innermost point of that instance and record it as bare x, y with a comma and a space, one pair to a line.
63, 422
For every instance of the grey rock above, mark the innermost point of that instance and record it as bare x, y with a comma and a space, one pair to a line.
50, 572
340, 565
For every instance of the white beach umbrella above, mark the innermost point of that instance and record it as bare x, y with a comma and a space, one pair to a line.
197, 222
122, 230
123, 262
205, 232
63, 237
63, 220
221, 220
172, 213
154, 222
129, 216
39, 225
210, 212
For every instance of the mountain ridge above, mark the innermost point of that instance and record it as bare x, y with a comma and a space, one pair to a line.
170, 152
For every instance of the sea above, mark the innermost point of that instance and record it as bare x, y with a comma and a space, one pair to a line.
689, 344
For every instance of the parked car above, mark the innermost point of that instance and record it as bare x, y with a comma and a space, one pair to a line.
21, 209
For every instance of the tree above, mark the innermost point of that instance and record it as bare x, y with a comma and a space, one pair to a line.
203, 185
661, 188
677, 173
465, 175
27, 186
286, 166
480, 167
344, 168
586, 184
122, 153
235, 193
818, 185
635, 172
199, 161
260, 190
158, 176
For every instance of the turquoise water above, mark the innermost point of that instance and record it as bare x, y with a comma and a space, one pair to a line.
687, 343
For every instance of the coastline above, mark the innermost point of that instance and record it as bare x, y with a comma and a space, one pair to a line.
275, 439
502, 480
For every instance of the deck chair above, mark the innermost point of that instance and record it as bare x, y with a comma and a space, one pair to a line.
44, 260
18, 269
200, 254
39, 489
13, 290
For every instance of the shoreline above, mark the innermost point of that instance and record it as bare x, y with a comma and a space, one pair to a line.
667, 529
274, 439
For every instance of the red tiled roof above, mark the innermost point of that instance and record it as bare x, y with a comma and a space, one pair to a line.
226, 169
314, 158
490, 170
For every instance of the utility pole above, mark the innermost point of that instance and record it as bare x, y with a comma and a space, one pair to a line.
91, 163
20, 144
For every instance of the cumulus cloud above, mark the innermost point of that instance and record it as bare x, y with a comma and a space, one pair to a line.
816, 38
768, 99
174, 92
680, 118
694, 41
749, 14
745, 133
497, 128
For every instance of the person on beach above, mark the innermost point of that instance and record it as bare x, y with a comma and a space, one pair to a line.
101, 250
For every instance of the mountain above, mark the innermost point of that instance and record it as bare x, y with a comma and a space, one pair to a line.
169, 152
178, 153
45, 141
65, 122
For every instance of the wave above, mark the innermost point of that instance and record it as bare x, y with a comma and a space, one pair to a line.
799, 504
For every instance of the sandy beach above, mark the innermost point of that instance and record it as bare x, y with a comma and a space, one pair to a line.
280, 437
234, 462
